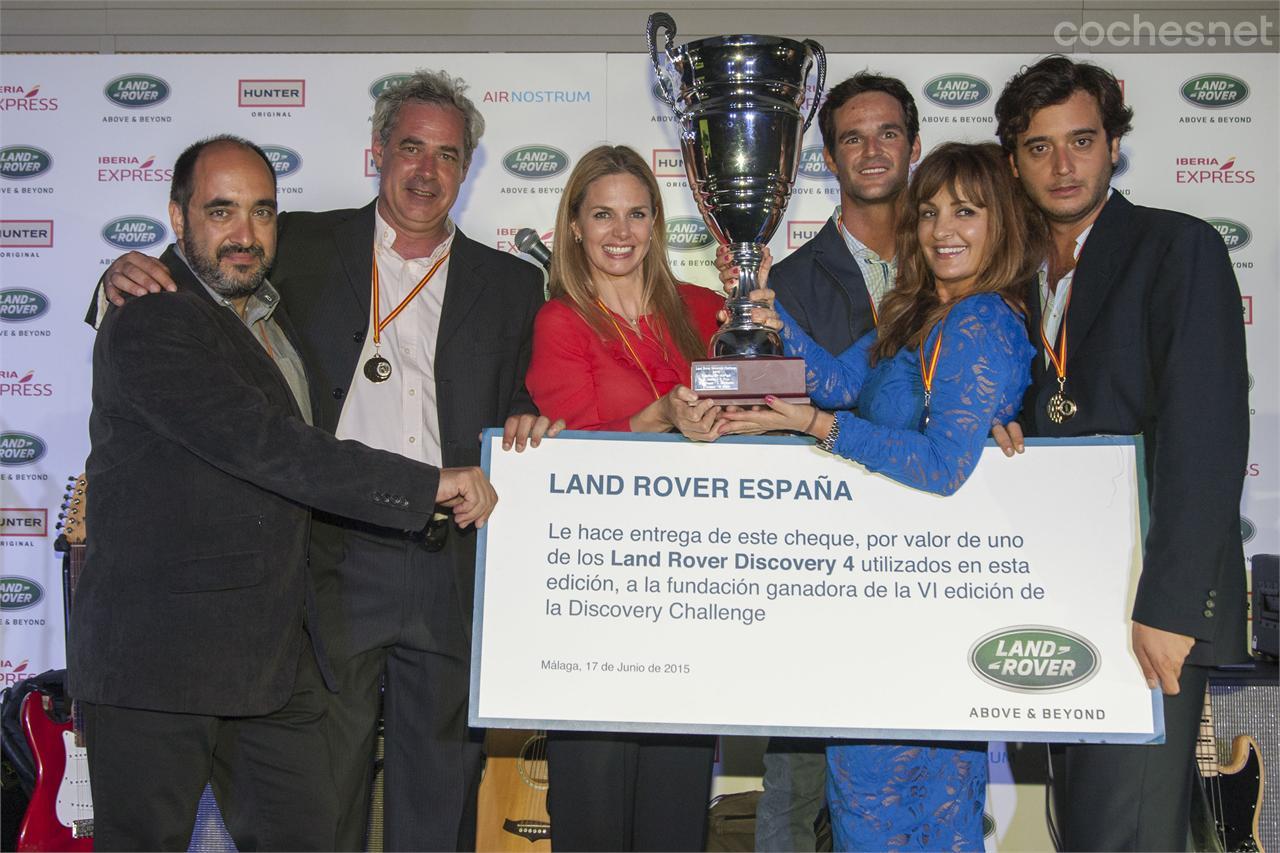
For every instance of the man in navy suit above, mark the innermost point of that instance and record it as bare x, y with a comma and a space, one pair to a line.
1136, 316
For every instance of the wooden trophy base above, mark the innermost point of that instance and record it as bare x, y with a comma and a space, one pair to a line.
746, 381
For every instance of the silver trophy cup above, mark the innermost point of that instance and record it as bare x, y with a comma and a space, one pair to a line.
738, 101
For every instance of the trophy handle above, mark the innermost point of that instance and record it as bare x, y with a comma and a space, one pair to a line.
662, 21
819, 54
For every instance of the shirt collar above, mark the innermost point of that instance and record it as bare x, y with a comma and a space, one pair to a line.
261, 304
856, 247
384, 238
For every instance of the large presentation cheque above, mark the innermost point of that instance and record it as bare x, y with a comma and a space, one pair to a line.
761, 586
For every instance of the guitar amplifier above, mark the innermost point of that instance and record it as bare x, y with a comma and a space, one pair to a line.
1266, 600
1249, 703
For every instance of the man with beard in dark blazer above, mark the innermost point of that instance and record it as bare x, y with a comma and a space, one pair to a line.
1137, 322
203, 469
420, 375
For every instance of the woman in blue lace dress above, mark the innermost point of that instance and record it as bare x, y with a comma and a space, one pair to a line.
915, 400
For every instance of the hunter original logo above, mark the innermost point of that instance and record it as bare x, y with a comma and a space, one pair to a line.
668, 163
1235, 234
137, 91
955, 91
18, 304
813, 164
271, 93
20, 448
26, 233
20, 99
130, 169
535, 161
687, 234
22, 383
1214, 91
20, 162
284, 160
377, 87
133, 232
801, 231
1247, 530
1033, 659
19, 593
24, 522
1211, 170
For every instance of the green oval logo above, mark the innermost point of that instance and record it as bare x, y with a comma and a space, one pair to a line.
137, 91
688, 234
813, 165
1214, 91
1247, 530
19, 593
535, 161
20, 162
20, 448
19, 304
1034, 659
377, 87
133, 232
1235, 234
988, 825
284, 160
956, 91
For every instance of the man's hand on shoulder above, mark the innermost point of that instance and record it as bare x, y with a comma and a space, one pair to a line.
468, 492
135, 274
1161, 655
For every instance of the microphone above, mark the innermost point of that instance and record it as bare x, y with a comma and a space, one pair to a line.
527, 241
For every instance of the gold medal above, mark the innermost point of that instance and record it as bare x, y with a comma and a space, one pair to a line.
377, 369
1060, 407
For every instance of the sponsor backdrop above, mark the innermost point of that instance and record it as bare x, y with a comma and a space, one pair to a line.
88, 144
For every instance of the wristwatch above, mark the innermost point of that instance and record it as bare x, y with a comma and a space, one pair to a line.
829, 443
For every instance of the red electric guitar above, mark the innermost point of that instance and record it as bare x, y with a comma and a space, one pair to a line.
60, 817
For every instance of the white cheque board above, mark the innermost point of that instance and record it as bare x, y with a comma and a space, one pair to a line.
761, 586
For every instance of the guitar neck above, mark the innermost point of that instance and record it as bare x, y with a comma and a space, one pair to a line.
1207, 758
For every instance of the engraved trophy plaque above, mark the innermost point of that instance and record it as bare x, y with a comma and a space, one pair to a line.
737, 100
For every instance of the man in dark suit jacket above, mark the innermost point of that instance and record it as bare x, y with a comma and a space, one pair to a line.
1154, 345
192, 646
393, 605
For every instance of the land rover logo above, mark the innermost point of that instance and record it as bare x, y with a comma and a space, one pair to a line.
813, 165
19, 593
377, 87
1214, 91
133, 232
687, 233
957, 90
19, 162
285, 161
535, 161
1121, 166
1235, 234
1247, 530
988, 825
20, 448
136, 91
18, 304
1034, 659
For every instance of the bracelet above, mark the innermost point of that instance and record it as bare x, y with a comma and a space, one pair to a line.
829, 443
813, 420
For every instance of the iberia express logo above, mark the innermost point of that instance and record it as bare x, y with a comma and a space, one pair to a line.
132, 169
22, 383
1034, 659
20, 99
1211, 170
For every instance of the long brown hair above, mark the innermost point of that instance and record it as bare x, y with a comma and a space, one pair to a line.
571, 271
1017, 240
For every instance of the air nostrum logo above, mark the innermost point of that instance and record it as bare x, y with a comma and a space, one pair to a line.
133, 232
19, 304
20, 448
284, 160
1235, 234
17, 593
957, 90
814, 165
535, 161
687, 234
20, 162
1214, 91
1034, 659
137, 91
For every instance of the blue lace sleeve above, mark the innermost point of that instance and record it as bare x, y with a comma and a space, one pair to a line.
984, 366
832, 381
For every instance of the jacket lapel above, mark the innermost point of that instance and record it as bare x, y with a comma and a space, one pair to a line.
462, 288
1110, 241
353, 239
834, 258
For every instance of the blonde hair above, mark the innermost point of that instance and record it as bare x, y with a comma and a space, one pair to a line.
571, 269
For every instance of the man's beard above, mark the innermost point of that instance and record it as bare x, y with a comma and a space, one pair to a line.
209, 268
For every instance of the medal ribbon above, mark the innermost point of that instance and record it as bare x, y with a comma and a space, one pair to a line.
1058, 358
380, 324
626, 343
926, 375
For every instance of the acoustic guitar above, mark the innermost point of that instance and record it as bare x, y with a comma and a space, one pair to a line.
512, 808
60, 816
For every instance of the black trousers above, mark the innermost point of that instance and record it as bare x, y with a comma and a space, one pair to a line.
399, 626
270, 774
628, 791
1119, 797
